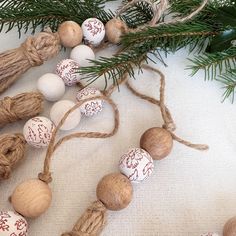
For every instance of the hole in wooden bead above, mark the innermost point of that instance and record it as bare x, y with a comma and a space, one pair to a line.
31, 198
115, 191
230, 227
157, 142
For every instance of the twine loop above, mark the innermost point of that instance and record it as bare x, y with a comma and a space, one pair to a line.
12, 150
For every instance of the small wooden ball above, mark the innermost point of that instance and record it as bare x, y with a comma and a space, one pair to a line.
31, 198
115, 191
70, 34
157, 142
230, 227
115, 28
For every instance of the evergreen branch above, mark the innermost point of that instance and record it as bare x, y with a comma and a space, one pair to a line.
171, 37
27, 14
229, 81
214, 63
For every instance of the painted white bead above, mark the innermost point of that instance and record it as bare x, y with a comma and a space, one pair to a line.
92, 107
38, 131
210, 234
51, 86
94, 31
82, 54
59, 109
12, 224
67, 69
136, 164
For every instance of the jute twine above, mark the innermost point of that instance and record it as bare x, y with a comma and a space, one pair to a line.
166, 115
21, 106
159, 8
53, 145
12, 151
33, 52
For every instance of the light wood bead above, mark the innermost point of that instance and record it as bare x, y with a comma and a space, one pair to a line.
70, 34
115, 191
230, 227
157, 142
115, 28
31, 198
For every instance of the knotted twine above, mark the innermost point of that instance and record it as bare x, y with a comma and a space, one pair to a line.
21, 106
33, 52
12, 151
169, 124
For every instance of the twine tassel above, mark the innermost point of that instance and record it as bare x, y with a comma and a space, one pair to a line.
92, 222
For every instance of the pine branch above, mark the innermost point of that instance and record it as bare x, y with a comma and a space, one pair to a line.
25, 14
171, 37
229, 81
215, 63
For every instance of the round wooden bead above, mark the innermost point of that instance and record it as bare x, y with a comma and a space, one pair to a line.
51, 86
115, 28
82, 54
31, 198
59, 109
115, 191
67, 69
157, 142
92, 107
230, 227
12, 224
94, 31
70, 34
136, 164
38, 131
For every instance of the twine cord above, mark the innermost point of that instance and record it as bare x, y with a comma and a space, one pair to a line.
46, 174
166, 115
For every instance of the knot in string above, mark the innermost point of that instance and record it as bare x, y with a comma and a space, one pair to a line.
31, 53
12, 150
7, 111
45, 177
169, 126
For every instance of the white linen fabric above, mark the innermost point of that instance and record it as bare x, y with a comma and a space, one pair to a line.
190, 192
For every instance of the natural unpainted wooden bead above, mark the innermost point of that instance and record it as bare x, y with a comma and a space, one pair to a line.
115, 191
230, 227
70, 34
115, 28
157, 142
31, 198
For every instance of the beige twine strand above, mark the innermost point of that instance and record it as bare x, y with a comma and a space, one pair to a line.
46, 174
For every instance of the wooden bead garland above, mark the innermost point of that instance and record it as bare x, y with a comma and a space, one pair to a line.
115, 191
31, 198
158, 142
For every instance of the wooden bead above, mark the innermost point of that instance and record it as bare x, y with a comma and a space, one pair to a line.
230, 227
115, 28
70, 34
31, 198
115, 191
157, 142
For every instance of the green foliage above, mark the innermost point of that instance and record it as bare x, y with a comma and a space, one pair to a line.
29, 14
229, 81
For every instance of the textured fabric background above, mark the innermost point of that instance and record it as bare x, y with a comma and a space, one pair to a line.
190, 192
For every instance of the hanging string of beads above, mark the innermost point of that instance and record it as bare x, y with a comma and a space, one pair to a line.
115, 191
